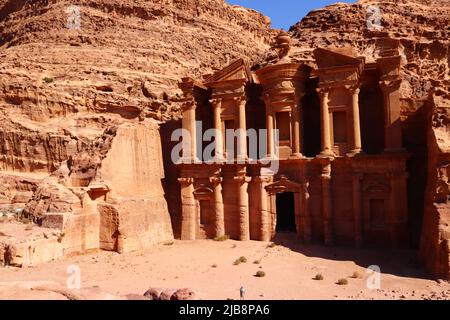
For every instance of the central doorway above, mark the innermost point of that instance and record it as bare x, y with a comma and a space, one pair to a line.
285, 212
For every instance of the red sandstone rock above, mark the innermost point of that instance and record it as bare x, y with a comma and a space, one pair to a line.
153, 293
60, 89
184, 294
435, 240
73, 100
167, 294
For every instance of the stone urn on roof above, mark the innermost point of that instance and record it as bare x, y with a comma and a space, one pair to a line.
283, 45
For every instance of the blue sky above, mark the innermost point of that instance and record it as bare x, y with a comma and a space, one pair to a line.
285, 13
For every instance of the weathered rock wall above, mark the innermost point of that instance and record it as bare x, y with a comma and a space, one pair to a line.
435, 240
109, 196
62, 85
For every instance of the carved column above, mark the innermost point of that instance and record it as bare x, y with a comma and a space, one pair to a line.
188, 123
244, 217
265, 232
269, 126
219, 218
392, 121
357, 208
356, 134
305, 196
242, 144
295, 125
327, 205
188, 219
325, 122
217, 105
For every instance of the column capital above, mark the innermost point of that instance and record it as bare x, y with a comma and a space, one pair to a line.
215, 101
267, 99
390, 85
185, 181
305, 186
323, 92
240, 98
215, 180
262, 179
353, 89
326, 172
242, 179
188, 105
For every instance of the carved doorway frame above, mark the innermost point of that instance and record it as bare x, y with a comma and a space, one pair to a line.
283, 184
203, 193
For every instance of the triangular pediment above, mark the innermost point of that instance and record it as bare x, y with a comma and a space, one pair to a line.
336, 57
238, 70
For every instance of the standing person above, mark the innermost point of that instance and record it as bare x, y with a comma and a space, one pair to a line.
242, 292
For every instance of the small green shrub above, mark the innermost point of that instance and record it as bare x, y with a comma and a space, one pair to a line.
48, 80
221, 238
342, 282
318, 276
240, 260
257, 262
260, 274
214, 265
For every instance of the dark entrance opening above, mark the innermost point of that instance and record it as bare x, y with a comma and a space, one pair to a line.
285, 212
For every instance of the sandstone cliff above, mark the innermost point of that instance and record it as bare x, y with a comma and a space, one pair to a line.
435, 240
81, 83
69, 69
76, 96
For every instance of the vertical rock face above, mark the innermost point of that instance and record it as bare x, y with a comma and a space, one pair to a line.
79, 82
109, 196
133, 171
435, 241
133, 166
70, 69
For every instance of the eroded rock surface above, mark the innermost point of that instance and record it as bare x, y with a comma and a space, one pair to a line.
80, 85
435, 241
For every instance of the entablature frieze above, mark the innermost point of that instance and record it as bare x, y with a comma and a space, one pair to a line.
227, 86
295, 72
284, 184
262, 179
222, 96
339, 74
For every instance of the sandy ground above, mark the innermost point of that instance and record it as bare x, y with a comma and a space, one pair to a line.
207, 267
